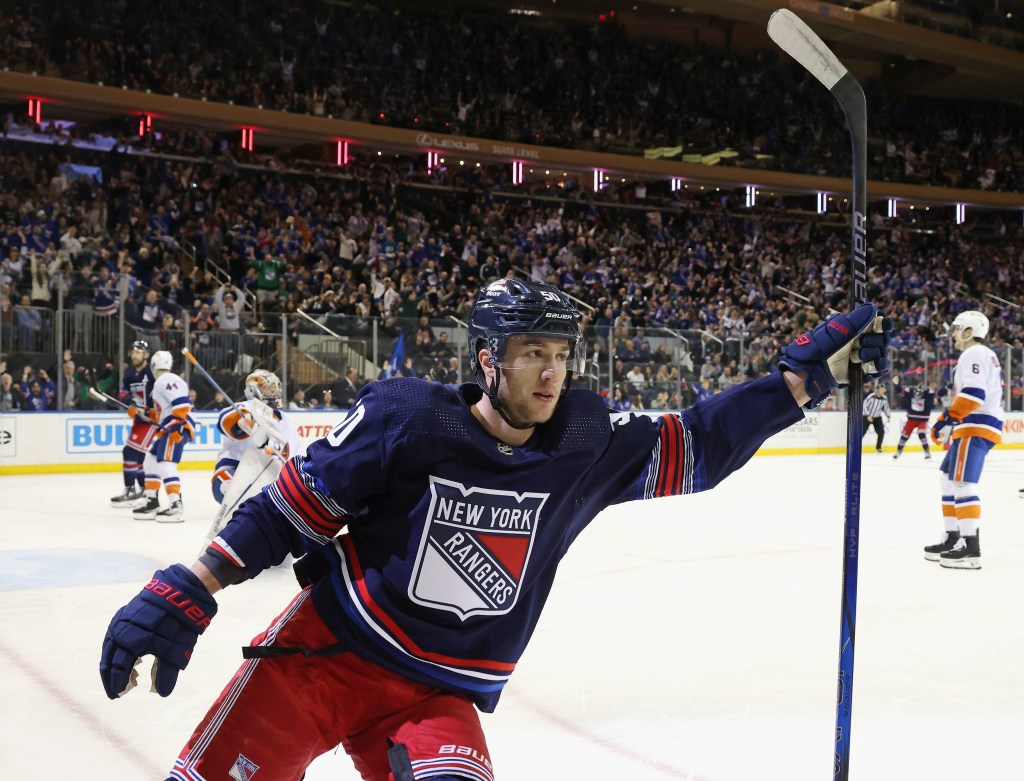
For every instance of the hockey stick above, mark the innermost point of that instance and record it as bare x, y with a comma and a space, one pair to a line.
800, 42
259, 410
106, 399
228, 507
213, 383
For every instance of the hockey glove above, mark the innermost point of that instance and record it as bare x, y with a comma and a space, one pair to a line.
165, 619
942, 429
245, 421
177, 430
826, 352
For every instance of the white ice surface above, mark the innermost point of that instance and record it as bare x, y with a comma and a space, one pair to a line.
689, 638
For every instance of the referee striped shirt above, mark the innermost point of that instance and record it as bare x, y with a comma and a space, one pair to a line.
876, 406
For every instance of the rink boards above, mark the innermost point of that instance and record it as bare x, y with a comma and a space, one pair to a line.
45, 442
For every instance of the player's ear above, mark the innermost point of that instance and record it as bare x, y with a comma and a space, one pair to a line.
485, 359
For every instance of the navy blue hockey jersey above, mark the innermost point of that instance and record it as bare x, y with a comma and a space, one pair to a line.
443, 542
918, 403
137, 386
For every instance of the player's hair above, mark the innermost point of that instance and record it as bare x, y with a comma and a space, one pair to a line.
263, 385
973, 319
515, 307
161, 360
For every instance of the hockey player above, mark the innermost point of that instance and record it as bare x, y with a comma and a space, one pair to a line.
135, 391
172, 411
459, 503
918, 402
258, 438
973, 424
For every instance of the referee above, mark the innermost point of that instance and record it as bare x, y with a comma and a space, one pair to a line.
875, 406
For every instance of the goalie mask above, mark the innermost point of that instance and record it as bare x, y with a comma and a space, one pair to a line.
263, 386
972, 319
513, 307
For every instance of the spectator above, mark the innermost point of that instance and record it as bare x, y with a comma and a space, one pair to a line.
348, 388
11, 397
268, 280
298, 401
72, 389
328, 400
229, 321
229, 311
36, 397
30, 326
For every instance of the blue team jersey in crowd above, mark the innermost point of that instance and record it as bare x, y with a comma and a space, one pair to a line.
450, 539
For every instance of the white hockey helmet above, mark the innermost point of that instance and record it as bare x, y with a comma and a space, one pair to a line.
974, 320
161, 361
263, 385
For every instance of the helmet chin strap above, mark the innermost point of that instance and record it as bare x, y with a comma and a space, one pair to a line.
492, 394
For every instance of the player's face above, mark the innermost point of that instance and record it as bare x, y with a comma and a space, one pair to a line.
138, 358
532, 374
962, 337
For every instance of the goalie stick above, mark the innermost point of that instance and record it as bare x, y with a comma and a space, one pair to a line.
794, 37
259, 410
234, 496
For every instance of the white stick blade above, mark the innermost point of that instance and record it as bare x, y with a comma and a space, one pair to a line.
801, 43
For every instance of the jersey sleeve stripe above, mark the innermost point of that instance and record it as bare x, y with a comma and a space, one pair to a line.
675, 459
669, 449
226, 550
308, 502
963, 405
282, 504
311, 483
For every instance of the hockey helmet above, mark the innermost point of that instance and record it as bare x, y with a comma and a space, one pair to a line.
514, 307
974, 320
141, 345
263, 385
161, 361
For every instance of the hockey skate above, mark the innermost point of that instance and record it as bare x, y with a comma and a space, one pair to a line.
966, 554
1020, 493
897, 454
147, 512
927, 455
173, 513
130, 498
933, 552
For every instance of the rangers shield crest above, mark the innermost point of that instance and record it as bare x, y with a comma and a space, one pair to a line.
475, 548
